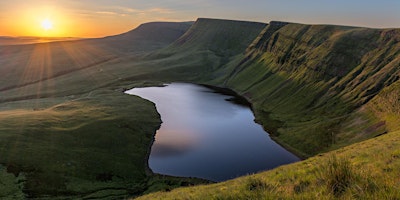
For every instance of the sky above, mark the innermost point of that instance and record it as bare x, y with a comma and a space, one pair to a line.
98, 18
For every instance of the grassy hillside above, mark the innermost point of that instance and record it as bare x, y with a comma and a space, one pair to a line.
66, 128
23, 65
29, 64
76, 146
206, 46
146, 37
305, 80
7, 40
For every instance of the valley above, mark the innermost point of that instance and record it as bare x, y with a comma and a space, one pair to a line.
68, 130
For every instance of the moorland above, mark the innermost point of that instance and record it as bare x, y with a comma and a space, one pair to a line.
329, 93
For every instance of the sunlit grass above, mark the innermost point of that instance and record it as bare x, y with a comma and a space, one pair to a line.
63, 117
66, 145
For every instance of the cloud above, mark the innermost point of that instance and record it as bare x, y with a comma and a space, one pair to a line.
107, 13
125, 11
161, 10
132, 11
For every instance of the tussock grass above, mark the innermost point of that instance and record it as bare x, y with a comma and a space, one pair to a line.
338, 175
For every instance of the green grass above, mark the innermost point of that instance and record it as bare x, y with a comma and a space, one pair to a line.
339, 175
79, 146
11, 186
313, 79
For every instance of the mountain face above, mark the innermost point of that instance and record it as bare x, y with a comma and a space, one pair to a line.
306, 82
204, 48
314, 88
354, 59
147, 37
219, 36
311, 77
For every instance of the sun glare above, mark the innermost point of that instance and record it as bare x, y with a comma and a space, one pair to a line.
47, 24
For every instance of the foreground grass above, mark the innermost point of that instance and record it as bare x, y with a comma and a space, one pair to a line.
368, 170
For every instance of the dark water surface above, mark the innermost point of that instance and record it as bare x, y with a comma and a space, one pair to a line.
203, 135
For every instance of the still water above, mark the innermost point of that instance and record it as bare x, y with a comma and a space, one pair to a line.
203, 135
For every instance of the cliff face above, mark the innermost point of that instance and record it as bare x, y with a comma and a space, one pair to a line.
311, 77
356, 62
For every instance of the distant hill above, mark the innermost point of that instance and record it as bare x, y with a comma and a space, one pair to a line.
206, 46
219, 36
5, 40
146, 37
26, 64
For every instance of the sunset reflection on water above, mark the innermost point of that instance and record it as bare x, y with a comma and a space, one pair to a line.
204, 135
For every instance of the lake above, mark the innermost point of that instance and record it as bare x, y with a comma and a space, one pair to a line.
205, 134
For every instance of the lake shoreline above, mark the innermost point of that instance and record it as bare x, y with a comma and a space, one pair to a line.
148, 171
246, 101
232, 98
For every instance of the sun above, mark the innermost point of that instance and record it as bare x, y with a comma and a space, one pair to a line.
47, 24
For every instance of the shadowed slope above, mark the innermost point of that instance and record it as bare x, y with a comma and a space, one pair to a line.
310, 77
207, 45
146, 37
223, 37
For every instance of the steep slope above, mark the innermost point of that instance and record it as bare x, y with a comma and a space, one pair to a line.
146, 37
305, 80
225, 37
207, 45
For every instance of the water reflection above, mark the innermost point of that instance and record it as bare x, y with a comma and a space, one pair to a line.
204, 135
173, 143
